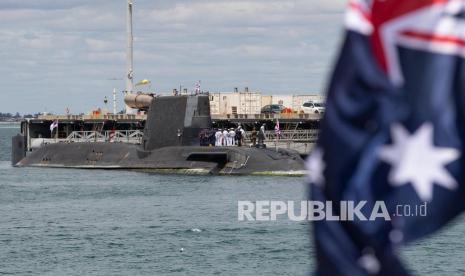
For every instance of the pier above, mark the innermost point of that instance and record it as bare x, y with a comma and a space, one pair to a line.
299, 140
298, 131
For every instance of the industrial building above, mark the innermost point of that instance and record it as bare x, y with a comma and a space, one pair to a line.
251, 102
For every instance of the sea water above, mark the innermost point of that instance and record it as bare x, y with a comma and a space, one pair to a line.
97, 222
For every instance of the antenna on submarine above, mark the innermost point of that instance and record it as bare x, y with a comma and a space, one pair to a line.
114, 101
129, 54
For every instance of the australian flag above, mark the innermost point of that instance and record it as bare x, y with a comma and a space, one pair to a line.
393, 132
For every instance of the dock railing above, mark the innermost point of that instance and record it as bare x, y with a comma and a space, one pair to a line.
296, 136
300, 140
117, 136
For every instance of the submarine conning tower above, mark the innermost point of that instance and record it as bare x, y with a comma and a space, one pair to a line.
176, 121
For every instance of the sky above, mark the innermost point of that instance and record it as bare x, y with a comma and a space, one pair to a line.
59, 54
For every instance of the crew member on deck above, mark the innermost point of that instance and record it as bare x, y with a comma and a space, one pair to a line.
261, 135
218, 135
242, 135
254, 137
239, 136
231, 136
225, 137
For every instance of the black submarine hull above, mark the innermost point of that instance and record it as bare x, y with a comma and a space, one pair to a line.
187, 159
170, 144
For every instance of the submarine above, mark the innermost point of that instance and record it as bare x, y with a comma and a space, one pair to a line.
170, 144
170, 141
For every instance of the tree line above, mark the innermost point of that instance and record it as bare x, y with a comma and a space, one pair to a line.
16, 116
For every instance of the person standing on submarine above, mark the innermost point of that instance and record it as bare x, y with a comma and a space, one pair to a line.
231, 136
253, 137
218, 135
225, 137
239, 136
261, 135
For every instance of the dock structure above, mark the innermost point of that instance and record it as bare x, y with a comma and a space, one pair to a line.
234, 118
298, 130
296, 133
299, 140
251, 102
135, 136
268, 119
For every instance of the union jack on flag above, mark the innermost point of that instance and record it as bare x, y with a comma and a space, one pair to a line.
393, 131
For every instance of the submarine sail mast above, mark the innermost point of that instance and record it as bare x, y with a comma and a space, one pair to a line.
129, 53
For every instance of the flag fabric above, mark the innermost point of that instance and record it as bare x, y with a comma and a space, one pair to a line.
277, 129
393, 131
143, 82
54, 125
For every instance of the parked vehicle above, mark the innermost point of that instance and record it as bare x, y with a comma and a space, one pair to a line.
273, 108
313, 107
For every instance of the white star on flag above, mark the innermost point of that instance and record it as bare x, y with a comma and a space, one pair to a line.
415, 159
316, 167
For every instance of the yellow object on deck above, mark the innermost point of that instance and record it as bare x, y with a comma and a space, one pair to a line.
143, 82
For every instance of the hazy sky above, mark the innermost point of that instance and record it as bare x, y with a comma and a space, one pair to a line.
57, 54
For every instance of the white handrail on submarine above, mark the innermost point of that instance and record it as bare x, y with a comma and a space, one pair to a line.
135, 137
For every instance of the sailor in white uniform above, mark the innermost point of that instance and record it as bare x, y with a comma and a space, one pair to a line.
225, 137
242, 135
231, 136
218, 135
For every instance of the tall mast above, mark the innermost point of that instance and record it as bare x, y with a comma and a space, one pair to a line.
114, 100
129, 53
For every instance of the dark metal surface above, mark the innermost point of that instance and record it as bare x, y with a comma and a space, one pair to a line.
170, 142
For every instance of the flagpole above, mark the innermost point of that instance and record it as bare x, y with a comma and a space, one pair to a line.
114, 101
277, 141
276, 130
56, 134
129, 53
